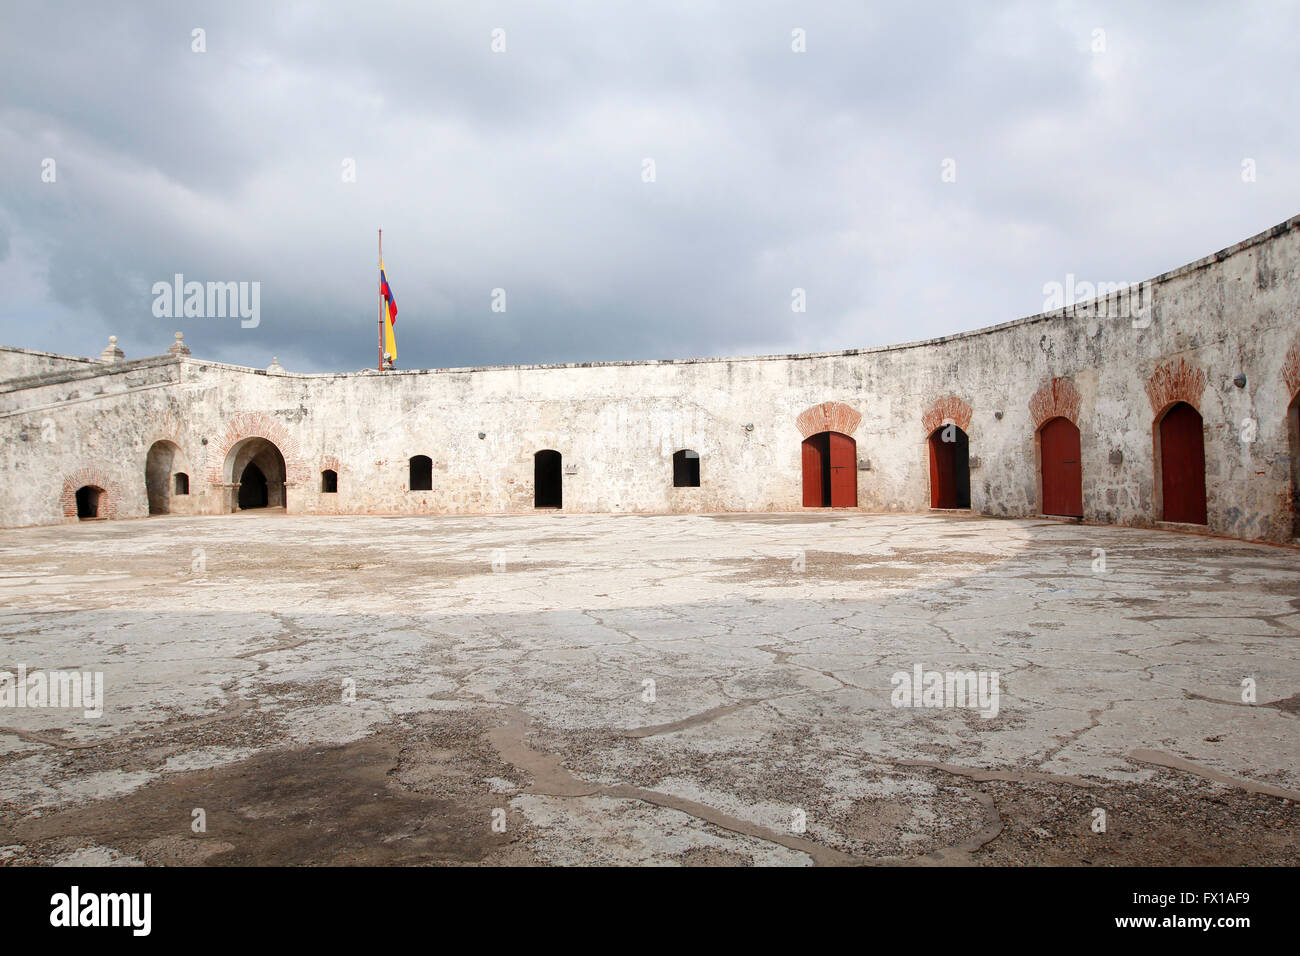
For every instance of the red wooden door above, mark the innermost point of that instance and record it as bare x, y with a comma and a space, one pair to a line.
816, 461
844, 471
943, 472
1182, 464
949, 468
1062, 468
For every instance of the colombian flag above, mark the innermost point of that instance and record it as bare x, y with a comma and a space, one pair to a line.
390, 313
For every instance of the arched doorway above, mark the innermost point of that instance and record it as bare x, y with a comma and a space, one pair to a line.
1293, 434
88, 501
830, 471
163, 473
548, 480
252, 488
1060, 461
1181, 437
255, 471
949, 467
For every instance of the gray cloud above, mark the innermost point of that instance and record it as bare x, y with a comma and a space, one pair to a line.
522, 170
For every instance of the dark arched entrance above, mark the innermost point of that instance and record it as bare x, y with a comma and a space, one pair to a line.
254, 470
830, 471
252, 488
548, 481
1182, 465
1293, 435
949, 468
162, 463
1061, 468
88, 501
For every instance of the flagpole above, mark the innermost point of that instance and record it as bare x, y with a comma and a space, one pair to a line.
381, 305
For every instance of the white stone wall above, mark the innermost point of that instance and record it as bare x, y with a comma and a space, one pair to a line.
22, 363
617, 425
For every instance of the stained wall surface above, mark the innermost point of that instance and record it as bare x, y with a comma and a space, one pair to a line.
1113, 366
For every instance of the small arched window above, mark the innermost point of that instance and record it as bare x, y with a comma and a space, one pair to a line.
686, 469
421, 473
182, 484
329, 482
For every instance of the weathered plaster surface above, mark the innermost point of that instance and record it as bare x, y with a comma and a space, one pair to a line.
509, 656
618, 424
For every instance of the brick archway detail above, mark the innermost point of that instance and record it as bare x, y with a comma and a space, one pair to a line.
168, 427
96, 478
828, 417
165, 427
1058, 398
1175, 381
257, 425
1291, 368
950, 408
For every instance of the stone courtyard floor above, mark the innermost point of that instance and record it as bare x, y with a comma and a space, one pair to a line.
579, 689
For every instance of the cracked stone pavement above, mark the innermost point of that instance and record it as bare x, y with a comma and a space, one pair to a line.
500, 669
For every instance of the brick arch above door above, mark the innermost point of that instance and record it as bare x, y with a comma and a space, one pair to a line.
950, 408
1175, 381
1058, 398
257, 425
1291, 369
828, 417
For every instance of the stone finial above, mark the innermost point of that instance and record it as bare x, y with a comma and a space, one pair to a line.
275, 368
112, 353
179, 347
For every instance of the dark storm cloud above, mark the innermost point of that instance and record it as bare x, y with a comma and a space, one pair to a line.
522, 170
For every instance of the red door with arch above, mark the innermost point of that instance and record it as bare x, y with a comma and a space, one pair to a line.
949, 468
830, 471
1062, 468
1182, 465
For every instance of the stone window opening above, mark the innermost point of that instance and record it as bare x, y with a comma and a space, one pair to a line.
182, 484
686, 469
421, 478
329, 482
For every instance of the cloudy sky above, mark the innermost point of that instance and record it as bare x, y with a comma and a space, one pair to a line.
1112, 155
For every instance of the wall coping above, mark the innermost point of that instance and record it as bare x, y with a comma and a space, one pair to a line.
1069, 311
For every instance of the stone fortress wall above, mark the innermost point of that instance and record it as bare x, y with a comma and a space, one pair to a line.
1221, 335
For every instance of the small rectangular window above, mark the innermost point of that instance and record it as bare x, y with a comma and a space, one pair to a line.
421, 473
686, 469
